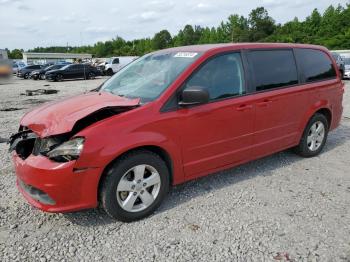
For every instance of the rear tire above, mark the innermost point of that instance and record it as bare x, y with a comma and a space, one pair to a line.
59, 78
314, 136
134, 186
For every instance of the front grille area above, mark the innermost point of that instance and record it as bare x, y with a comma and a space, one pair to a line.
36, 194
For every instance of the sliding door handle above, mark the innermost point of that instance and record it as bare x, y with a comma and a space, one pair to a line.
244, 107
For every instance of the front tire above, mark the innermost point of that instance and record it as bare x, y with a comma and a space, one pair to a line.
26, 76
91, 75
134, 186
109, 72
314, 136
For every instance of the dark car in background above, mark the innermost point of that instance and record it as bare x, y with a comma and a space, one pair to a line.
73, 71
340, 63
40, 73
25, 71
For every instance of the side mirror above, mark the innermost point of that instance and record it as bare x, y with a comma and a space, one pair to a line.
194, 95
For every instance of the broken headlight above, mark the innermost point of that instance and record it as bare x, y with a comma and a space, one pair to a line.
67, 151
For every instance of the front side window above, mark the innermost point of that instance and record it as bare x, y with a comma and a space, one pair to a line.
116, 61
273, 68
315, 65
222, 76
147, 77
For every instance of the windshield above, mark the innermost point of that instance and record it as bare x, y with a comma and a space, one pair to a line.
65, 67
146, 78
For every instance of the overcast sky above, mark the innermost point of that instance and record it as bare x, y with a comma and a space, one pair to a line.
31, 23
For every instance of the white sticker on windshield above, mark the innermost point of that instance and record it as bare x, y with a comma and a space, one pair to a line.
186, 54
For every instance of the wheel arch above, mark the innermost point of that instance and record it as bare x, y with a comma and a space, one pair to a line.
321, 108
327, 113
152, 148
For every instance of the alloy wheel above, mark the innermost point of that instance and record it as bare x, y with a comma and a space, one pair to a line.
316, 136
138, 188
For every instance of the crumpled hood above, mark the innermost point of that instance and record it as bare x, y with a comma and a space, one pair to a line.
59, 117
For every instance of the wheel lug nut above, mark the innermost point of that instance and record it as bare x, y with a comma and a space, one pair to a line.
142, 191
133, 187
135, 193
139, 181
144, 184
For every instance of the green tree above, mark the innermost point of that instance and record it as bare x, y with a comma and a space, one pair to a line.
15, 54
261, 24
162, 40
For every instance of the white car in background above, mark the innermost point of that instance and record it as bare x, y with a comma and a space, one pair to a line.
17, 66
347, 67
114, 64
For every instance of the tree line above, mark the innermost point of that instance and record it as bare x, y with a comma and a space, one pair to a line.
330, 29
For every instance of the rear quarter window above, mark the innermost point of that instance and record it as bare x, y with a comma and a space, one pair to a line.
273, 68
315, 65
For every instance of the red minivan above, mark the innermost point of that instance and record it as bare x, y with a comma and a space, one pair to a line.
172, 116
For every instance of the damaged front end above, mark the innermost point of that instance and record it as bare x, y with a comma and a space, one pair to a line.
59, 148
62, 147
22, 142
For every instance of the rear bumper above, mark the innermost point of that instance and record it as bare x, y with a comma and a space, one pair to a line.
56, 187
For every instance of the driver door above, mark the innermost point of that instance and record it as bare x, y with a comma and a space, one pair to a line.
219, 133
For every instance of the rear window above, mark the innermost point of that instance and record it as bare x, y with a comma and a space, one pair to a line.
273, 68
315, 65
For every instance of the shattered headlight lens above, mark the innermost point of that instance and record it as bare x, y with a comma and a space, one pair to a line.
67, 151
45, 145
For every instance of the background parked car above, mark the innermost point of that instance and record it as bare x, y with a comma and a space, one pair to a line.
73, 71
40, 73
347, 67
114, 64
340, 63
17, 66
25, 71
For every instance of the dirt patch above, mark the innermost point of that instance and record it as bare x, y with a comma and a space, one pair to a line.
33, 101
8, 109
41, 91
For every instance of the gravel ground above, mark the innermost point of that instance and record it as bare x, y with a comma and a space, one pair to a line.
281, 207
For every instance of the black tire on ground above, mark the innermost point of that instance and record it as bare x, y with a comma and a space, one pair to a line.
26, 76
59, 78
109, 72
91, 75
42, 77
303, 149
108, 189
35, 77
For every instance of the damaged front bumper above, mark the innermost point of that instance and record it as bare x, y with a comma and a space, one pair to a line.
48, 185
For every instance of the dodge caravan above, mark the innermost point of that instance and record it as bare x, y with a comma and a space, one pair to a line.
172, 116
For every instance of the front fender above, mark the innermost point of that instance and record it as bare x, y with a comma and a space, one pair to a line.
99, 152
